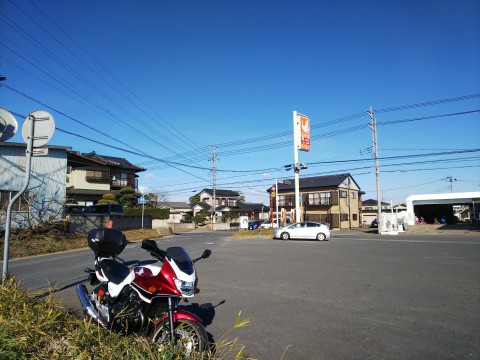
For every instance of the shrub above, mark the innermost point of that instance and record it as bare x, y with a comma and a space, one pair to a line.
107, 199
161, 214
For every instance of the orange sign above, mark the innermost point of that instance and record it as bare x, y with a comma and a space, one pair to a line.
304, 133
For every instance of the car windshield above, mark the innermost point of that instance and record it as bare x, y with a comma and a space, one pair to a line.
181, 258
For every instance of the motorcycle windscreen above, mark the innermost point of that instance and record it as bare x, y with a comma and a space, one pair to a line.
181, 258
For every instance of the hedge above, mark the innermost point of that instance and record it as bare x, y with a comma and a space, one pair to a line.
161, 214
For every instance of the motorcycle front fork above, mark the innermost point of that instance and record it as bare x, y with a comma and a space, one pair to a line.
172, 304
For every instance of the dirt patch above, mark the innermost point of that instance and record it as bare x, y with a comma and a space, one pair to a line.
22, 244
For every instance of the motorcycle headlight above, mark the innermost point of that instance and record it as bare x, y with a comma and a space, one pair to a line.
185, 287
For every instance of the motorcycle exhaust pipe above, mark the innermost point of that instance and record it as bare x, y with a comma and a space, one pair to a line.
87, 305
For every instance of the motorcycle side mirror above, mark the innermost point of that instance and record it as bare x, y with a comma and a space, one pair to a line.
150, 245
206, 254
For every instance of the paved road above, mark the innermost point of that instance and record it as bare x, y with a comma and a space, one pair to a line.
356, 296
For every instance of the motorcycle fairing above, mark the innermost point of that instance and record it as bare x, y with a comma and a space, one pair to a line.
145, 282
147, 270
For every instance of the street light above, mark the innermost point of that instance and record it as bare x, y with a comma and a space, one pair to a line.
279, 181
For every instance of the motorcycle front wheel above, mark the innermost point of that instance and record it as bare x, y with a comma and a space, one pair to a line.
190, 336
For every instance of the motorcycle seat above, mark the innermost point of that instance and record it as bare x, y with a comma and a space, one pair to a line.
114, 271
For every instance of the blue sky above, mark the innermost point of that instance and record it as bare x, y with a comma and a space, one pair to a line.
166, 80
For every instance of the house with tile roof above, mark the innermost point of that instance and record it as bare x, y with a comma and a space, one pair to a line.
331, 199
90, 175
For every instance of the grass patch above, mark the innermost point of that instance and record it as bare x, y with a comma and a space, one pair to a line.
27, 244
37, 329
259, 233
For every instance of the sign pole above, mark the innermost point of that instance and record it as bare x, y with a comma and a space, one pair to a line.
296, 137
276, 200
28, 167
143, 209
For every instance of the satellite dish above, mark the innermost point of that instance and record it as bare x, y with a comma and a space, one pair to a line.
43, 130
8, 125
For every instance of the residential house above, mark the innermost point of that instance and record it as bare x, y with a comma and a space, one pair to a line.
91, 175
225, 200
254, 211
370, 210
45, 195
332, 199
178, 210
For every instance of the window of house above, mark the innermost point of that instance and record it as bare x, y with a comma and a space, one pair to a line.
232, 202
344, 217
354, 217
286, 200
343, 194
314, 199
98, 175
325, 198
322, 198
20, 205
122, 180
368, 208
353, 194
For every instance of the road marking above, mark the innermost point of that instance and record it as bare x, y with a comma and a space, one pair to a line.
411, 241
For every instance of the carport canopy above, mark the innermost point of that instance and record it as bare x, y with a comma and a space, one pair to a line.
464, 198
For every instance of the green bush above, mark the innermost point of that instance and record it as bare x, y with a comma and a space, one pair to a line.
161, 214
107, 199
187, 219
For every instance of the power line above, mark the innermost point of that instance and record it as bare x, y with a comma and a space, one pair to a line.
82, 78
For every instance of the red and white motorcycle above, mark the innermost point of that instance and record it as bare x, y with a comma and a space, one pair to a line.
143, 299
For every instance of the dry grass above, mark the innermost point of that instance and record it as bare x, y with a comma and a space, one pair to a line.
31, 328
22, 245
259, 234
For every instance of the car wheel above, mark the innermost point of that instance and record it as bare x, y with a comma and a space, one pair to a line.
321, 237
285, 236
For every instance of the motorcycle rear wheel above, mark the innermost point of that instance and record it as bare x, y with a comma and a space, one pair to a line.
189, 336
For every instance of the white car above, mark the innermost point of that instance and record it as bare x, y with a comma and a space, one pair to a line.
303, 230
268, 225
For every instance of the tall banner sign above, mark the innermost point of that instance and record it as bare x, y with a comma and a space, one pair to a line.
302, 132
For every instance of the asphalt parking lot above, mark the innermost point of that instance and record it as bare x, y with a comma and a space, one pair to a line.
359, 295
356, 296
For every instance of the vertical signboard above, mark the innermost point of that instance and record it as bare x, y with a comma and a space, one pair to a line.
301, 132
304, 133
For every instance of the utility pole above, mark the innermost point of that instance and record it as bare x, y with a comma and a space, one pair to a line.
451, 179
214, 173
373, 127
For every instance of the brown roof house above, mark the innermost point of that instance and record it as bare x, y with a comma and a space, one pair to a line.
331, 199
91, 175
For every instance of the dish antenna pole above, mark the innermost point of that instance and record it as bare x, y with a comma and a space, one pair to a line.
39, 123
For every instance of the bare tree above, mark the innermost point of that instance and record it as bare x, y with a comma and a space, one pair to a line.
155, 198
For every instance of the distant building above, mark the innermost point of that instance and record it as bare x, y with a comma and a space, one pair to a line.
370, 210
178, 210
45, 196
91, 175
332, 199
227, 201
